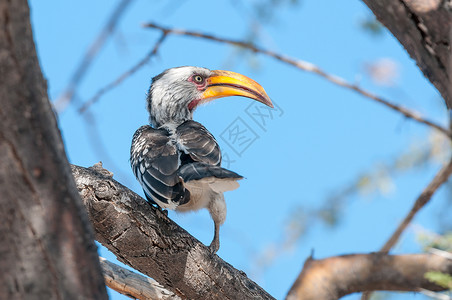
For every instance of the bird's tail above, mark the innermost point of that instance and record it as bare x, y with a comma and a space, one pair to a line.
219, 179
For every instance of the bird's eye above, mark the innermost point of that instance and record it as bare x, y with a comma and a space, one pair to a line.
198, 78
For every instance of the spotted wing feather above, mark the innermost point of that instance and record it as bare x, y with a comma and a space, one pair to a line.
155, 162
197, 142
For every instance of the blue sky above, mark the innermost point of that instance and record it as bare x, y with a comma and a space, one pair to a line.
321, 138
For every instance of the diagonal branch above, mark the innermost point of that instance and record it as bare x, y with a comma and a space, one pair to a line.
123, 76
68, 95
144, 238
440, 178
334, 277
132, 284
309, 67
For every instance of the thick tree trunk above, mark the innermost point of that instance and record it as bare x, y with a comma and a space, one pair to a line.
47, 249
424, 28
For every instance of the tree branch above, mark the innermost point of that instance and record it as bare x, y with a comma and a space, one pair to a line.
439, 252
309, 67
123, 76
68, 95
440, 178
424, 29
357, 266
335, 277
132, 284
144, 238
434, 295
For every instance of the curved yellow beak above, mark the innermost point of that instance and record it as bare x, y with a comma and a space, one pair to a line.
226, 83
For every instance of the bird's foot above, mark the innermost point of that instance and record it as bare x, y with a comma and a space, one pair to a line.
214, 246
162, 210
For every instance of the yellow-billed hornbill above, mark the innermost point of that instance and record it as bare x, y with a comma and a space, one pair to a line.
177, 160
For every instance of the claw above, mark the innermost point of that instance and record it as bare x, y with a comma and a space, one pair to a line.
215, 244
162, 210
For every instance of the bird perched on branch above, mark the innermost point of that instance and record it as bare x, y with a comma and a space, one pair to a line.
177, 160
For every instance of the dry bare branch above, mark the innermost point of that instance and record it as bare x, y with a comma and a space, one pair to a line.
132, 284
68, 95
309, 67
440, 178
439, 252
434, 295
144, 238
123, 76
334, 277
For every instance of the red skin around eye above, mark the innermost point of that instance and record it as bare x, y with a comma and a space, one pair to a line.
200, 86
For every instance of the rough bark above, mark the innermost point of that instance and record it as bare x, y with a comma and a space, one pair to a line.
334, 277
424, 28
47, 249
147, 240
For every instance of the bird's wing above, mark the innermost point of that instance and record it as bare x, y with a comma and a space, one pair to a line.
155, 162
196, 141
204, 166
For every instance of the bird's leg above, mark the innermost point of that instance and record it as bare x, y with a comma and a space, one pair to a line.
217, 210
215, 244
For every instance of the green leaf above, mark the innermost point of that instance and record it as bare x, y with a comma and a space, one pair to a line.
441, 279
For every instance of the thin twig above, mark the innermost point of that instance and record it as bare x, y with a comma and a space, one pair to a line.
68, 95
440, 178
306, 66
123, 76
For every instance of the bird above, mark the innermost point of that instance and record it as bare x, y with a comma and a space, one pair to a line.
177, 160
